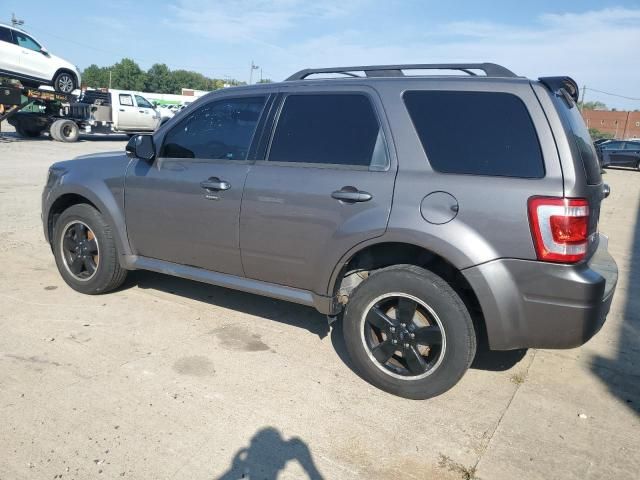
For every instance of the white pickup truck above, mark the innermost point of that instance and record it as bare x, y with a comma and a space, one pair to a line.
95, 111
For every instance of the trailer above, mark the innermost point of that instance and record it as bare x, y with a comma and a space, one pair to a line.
65, 116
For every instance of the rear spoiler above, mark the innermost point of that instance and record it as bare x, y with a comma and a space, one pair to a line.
558, 84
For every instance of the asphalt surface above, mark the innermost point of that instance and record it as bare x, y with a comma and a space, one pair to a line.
168, 378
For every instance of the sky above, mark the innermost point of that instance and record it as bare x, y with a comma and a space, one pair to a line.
595, 42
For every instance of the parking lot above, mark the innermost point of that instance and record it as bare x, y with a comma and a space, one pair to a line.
168, 378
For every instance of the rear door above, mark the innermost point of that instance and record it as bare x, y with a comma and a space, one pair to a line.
9, 52
324, 185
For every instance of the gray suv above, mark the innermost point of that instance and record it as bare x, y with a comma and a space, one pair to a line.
426, 212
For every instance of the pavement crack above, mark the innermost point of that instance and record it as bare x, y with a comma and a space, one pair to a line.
499, 422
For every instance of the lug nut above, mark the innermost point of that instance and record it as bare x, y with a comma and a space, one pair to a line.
412, 335
403, 325
406, 345
392, 329
394, 341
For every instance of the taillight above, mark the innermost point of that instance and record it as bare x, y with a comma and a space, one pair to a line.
560, 228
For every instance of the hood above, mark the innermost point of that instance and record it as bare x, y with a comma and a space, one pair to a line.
62, 63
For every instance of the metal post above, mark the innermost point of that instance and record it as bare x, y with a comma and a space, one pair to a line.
253, 67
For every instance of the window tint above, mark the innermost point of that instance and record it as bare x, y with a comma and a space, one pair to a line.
632, 146
126, 100
612, 146
337, 129
222, 129
5, 35
26, 41
479, 133
143, 102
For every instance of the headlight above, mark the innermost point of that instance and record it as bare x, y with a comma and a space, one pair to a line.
53, 175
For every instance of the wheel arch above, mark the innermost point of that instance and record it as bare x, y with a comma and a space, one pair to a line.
374, 256
66, 70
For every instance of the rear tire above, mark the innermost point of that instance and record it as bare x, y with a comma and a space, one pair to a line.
408, 332
64, 82
85, 251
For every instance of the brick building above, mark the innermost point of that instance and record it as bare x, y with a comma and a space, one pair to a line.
619, 124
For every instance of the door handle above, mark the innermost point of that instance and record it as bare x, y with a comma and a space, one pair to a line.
351, 195
122, 109
214, 183
142, 111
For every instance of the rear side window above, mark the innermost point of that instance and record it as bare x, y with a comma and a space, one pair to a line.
477, 133
5, 35
333, 129
575, 127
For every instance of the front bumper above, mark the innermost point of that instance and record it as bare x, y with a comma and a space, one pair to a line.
531, 304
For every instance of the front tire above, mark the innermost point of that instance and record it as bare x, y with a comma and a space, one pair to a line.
408, 332
64, 82
85, 251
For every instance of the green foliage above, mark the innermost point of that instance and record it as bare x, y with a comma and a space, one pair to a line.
127, 75
265, 80
597, 134
593, 106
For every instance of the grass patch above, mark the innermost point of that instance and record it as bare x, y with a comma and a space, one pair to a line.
518, 378
466, 473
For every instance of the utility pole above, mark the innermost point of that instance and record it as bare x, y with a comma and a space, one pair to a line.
109, 79
15, 21
253, 67
584, 87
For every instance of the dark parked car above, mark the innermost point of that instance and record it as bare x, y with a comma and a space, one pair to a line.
424, 212
620, 153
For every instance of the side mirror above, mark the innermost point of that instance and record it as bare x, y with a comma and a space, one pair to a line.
44, 51
142, 147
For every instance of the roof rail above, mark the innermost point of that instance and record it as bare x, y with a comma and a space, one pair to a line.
490, 70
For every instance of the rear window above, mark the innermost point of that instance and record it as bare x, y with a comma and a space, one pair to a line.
476, 133
5, 35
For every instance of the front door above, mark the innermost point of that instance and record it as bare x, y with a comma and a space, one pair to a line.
32, 61
326, 186
185, 206
147, 118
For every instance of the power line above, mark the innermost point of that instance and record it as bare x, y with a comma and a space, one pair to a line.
612, 94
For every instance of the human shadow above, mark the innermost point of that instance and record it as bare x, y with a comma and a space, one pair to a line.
620, 373
267, 454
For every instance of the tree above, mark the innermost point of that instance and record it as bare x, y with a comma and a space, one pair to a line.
159, 79
594, 106
597, 134
95, 76
127, 75
265, 80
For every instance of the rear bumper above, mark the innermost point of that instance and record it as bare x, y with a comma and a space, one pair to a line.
530, 304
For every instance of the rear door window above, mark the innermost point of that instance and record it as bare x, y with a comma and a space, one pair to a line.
329, 129
476, 133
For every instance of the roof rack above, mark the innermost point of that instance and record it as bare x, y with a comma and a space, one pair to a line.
490, 70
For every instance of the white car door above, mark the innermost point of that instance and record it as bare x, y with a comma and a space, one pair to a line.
9, 52
33, 61
148, 117
128, 116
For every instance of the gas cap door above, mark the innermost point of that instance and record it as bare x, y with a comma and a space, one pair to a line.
439, 208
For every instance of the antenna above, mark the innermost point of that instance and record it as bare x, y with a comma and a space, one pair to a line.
15, 21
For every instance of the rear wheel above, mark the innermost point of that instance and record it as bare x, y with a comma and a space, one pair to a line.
85, 251
64, 82
408, 332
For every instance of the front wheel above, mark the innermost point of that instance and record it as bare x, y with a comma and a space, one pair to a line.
408, 332
85, 251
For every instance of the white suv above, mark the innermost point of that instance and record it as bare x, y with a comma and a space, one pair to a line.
22, 57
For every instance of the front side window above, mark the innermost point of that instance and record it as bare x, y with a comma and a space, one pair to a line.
476, 133
25, 41
126, 100
217, 130
335, 129
632, 146
612, 146
5, 35
143, 102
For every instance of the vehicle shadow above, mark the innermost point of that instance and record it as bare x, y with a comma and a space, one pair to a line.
291, 314
255, 305
267, 454
620, 373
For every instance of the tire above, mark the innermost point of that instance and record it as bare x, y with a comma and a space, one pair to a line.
64, 82
65, 131
439, 331
95, 269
